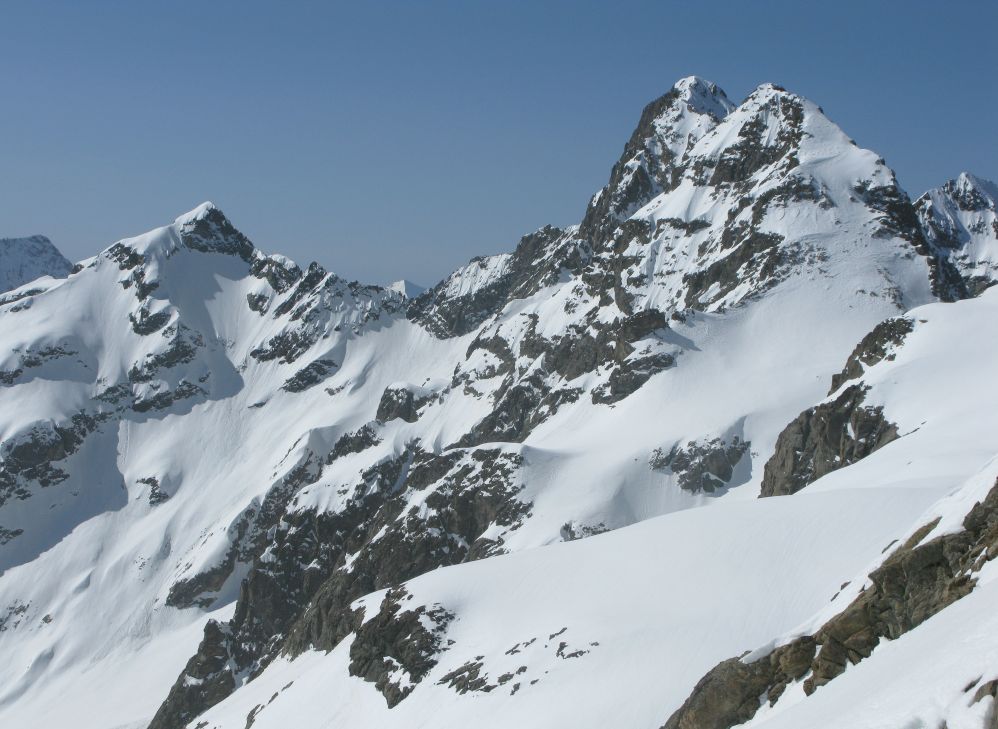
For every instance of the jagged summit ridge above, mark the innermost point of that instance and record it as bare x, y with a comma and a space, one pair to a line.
667, 128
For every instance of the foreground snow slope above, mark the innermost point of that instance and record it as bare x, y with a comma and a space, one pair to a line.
648, 607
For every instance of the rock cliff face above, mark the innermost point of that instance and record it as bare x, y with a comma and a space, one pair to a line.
245, 464
824, 438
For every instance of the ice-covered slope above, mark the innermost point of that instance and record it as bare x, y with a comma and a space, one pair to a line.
22, 260
210, 454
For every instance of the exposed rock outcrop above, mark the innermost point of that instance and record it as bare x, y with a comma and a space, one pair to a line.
401, 402
702, 466
824, 438
877, 346
396, 648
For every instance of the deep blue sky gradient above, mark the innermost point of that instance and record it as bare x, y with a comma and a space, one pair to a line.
398, 139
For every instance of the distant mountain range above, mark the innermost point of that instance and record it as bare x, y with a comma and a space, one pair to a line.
24, 259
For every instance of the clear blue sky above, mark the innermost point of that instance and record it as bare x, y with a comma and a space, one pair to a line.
391, 140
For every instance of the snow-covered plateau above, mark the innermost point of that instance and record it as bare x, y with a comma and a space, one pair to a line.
722, 454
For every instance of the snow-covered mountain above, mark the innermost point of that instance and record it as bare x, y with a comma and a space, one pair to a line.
22, 260
238, 492
960, 220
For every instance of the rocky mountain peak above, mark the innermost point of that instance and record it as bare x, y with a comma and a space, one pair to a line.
960, 222
972, 193
703, 97
205, 228
667, 128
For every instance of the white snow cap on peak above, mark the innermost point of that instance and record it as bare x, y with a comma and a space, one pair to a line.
704, 96
768, 90
969, 181
196, 214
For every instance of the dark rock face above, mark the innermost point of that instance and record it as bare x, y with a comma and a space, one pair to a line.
213, 233
467, 677
32, 458
310, 304
32, 358
702, 466
914, 583
729, 694
397, 640
355, 442
753, 255
165, 398
400, 403
182, 348
258, 302
306, 285
156, 495
207, 669
825, 438
128, 259
529, 396
280, 275
309, 376
875, 347
469, 491
751, 153
285, 347
512, 415
627, 377
146, 323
